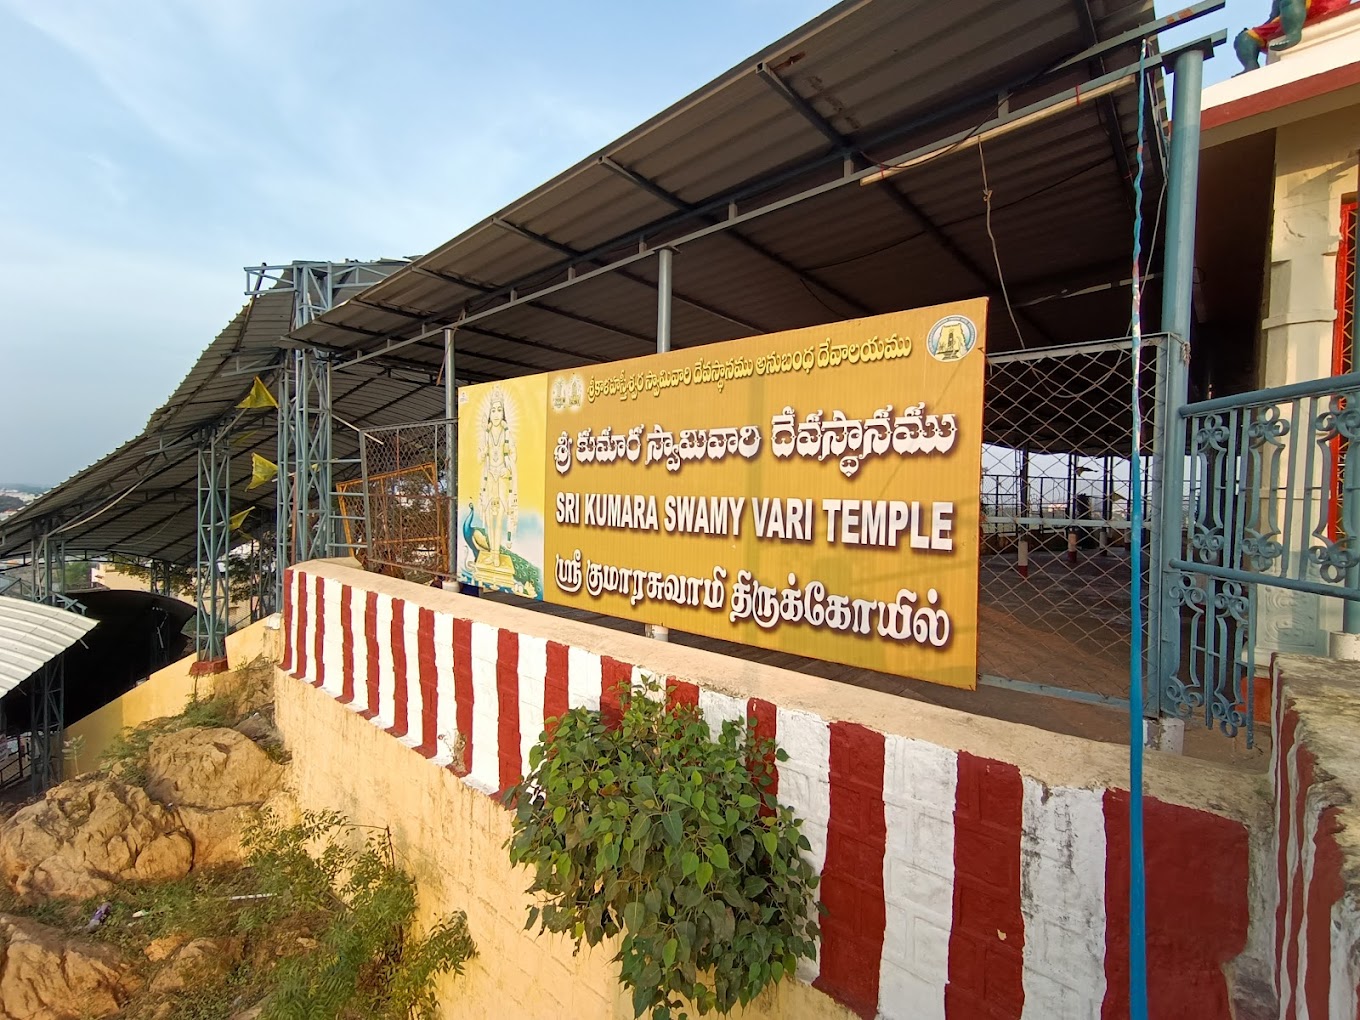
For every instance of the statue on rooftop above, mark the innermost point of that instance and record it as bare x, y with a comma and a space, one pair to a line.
1283, 29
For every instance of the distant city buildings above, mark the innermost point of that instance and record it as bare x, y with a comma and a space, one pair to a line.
14, 500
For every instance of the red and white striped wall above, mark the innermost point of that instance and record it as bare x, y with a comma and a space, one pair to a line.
1317, 927
954, 885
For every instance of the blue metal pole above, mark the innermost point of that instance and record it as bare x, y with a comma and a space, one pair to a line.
1137, 896
1177, 305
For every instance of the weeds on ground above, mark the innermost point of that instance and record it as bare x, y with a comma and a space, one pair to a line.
367, 963
321, 911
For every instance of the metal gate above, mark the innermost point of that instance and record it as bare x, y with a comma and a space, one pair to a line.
1056, 581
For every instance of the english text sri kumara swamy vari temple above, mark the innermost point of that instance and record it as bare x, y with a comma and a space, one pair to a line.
958, 396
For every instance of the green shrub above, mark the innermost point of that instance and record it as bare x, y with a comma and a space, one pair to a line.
367, 964
652, 829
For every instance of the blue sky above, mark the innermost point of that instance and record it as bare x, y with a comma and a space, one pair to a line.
154, 147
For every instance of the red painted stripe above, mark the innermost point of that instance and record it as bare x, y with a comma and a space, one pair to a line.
1324, 892
766, 718
615, 678
428, 679
1197, 910
507, 707
462, 687
346, 644
300, 670
371, 644
681, 692
318, 646
401, 698
852, 877
289, 622
555, 686
1284, 799
1306, 774
987, 939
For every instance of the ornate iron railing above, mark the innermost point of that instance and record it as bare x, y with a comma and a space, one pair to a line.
1264, 525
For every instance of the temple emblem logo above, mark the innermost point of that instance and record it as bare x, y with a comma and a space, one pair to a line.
952, 338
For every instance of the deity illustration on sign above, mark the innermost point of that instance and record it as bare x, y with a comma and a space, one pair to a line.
491, 518
1283, 29
951, 338
568, 393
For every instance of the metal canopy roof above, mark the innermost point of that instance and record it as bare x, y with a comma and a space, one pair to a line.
859, 86
141, 499
862, 86
31, 635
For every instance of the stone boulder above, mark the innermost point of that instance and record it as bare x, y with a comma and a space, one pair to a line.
195, 964
215, 779
46, 976
85, 835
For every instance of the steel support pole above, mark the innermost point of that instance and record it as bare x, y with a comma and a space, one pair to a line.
664, 287
1177, 311
1174, 359
49, 569
664, 277
212, 594
46, 710
283, 480
302, 459
320, 467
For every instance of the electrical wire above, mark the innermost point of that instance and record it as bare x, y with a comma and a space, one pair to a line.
996, 255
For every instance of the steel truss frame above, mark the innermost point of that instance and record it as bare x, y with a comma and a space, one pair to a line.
211, 589
47, 708
305, 496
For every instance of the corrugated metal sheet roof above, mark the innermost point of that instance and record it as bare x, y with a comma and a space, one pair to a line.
141, 499
31, 635
883, 77
880, 77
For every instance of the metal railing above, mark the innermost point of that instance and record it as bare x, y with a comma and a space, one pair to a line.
1273, 523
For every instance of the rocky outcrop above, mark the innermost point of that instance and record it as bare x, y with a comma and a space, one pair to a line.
46, 976
215, 779
195, 964
85, 835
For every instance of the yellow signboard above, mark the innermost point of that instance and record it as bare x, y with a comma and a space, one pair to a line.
813, 491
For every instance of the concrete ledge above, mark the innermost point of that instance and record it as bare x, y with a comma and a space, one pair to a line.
969, 866
1051, 758
1316, 768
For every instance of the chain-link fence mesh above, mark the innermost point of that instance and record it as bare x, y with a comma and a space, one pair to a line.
1055, 569
405, 500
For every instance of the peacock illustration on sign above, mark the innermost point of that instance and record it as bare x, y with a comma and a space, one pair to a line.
500, 543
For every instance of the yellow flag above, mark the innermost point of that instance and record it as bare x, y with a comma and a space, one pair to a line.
238, 519
259, 396
261, 471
